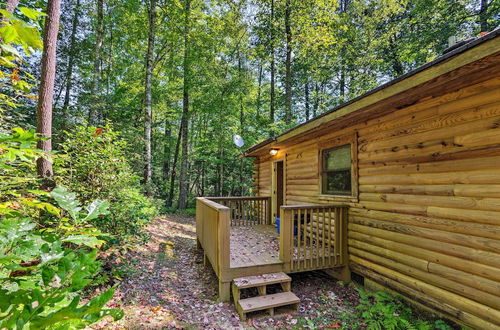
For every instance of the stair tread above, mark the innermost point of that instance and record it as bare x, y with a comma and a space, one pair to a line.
260, 280
268, 301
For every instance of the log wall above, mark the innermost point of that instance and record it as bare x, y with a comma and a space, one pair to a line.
426, 220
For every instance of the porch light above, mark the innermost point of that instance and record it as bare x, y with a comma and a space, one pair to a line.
273, 152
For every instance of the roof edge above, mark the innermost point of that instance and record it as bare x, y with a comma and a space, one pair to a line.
352, 105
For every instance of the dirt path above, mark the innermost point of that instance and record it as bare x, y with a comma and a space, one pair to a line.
167, 286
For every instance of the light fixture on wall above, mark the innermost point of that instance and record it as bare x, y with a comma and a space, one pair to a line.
273, 152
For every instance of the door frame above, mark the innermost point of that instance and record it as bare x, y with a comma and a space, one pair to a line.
274, 182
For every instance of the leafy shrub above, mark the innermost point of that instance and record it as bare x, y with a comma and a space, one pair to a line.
45, 262
381, 310
93, 164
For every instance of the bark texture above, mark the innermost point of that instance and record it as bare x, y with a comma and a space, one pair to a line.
183, 180
46, 91
273, 69
148, 111
93, 115
288, 64
71, 60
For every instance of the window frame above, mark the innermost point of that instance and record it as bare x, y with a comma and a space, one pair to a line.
329, 145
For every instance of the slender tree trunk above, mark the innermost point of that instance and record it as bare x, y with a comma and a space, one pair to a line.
183, 182
259, 89
242, 123
166, 152
148, 111
93, 110
273, 69
173, 172
46, 91
221, 171
342, 84
316, 99
483, 16
11, 5
71, 61
288, 65
306, 96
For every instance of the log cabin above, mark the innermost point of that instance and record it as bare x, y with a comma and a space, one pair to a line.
398, 189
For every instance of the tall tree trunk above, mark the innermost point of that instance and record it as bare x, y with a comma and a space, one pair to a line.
71, 60
306, 96
242, 123
342, 84
148, 111
166, 152
221, 170
173, 172
183, 182
259, 90
288, 65
46, 91
273, 69
316, 99
483, 16
11, 5
94, 107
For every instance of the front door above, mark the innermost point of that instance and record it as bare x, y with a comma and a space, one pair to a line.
278, 188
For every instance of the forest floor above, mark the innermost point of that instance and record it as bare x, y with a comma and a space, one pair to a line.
166, 285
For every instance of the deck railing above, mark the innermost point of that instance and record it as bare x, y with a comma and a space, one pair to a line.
247, 211
313, 237
212, 232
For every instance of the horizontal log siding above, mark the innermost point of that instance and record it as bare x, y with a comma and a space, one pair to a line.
427, 219
264, 179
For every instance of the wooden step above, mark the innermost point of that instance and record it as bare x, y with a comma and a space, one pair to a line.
261, 280
267, 302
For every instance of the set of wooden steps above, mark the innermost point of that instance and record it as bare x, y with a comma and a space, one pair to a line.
263, 301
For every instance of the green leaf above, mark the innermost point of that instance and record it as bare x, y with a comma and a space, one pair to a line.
90, 241
97, 208
31, 13
8, 33
67, 201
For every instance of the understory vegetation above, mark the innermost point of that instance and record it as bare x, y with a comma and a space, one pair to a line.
141, 114
373, 311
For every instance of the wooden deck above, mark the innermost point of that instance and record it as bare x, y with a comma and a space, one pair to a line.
238, 239
254, 246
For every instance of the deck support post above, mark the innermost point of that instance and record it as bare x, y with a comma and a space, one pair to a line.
340, 273
224, 291
206, 261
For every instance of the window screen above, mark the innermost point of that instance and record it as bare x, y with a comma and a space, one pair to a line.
336, 171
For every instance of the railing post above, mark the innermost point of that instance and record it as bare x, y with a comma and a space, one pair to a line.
286, 232
269, 211
343, 243
199, 223
223, 242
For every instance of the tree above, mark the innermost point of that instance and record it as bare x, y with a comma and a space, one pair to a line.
46, 91
96, 81
288, 65
148, 113
71, 59
183, 183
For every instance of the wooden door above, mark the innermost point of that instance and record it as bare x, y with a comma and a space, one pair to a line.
278, 187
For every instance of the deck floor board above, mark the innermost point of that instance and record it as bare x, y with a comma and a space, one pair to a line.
254, 245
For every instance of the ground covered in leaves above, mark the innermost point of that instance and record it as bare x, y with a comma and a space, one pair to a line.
166, 285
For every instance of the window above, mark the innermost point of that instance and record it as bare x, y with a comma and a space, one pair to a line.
336, 172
